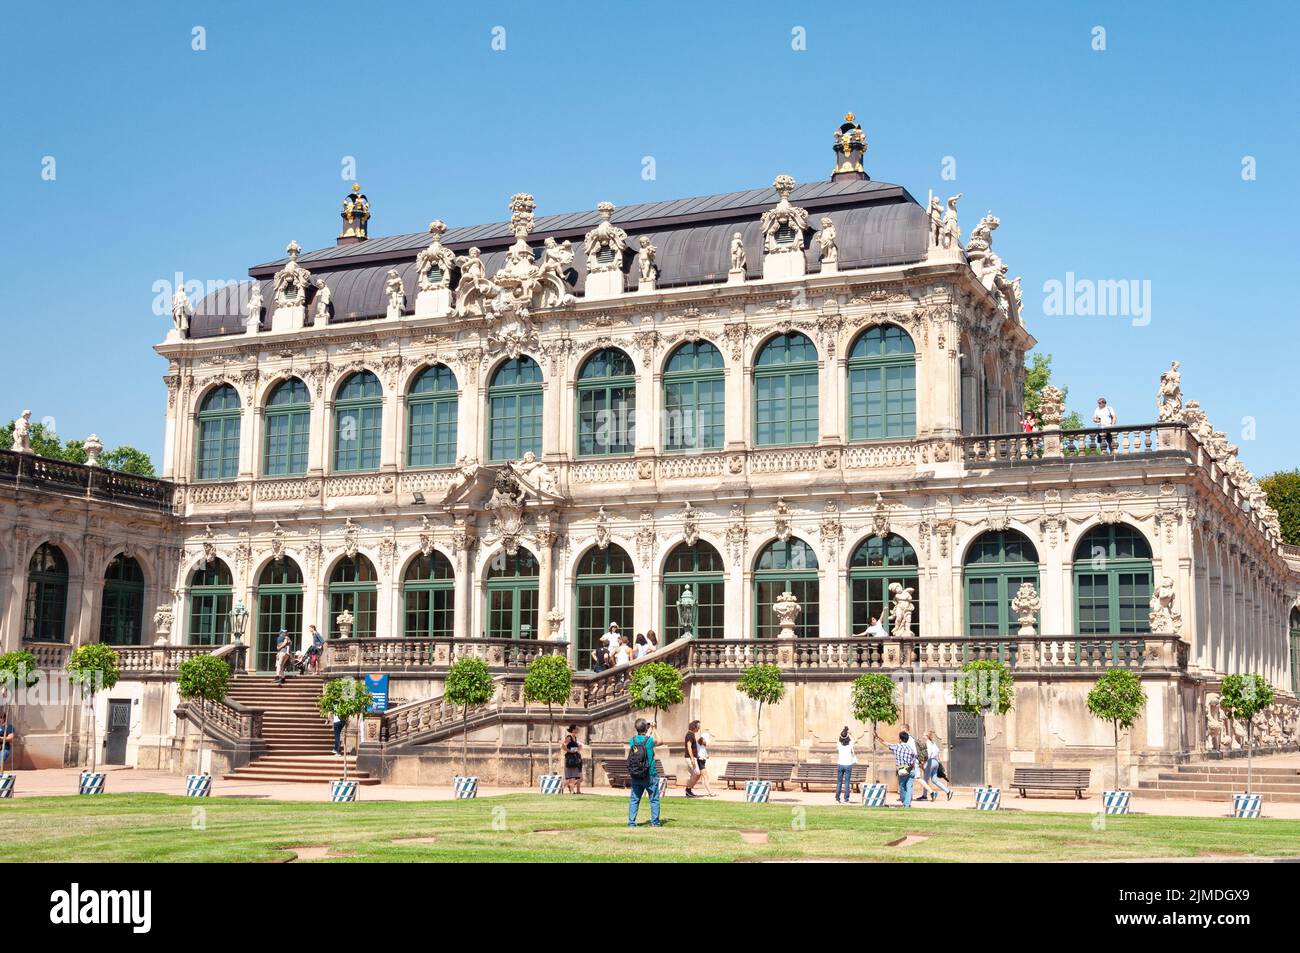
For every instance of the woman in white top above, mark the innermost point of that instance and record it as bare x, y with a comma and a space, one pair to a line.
844, 761
702, 740
932, 767
642, 648
623, 652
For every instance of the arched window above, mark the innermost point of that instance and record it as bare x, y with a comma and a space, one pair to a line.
47, 595
694, 403
604, 593
607, 404
877, 562
700, 568
429, 597
279, 606
218, 448
286, 426
785, 392
431, 406
1112, 581
354, 586
515, 410
358, 423
995, 565
789, 566
512, 596
1295, 651
121, 618
210, 599
882, 384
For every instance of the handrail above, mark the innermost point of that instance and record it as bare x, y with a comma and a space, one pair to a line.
98, 482
419, 654
1040, 445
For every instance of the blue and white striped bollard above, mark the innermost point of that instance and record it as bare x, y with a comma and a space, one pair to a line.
198, 785
758, 791
7, 785
988, 799
1116, 802
551, 783
661, 785
464, 787
1247, 805
873, 795
92, 782
343, 791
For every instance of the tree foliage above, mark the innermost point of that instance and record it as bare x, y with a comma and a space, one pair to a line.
203, 676
1283, 492
1244, 697
468, 683
762, 683
1038, 374
94, 668
17, 670
655, 685
46, 443
345, 698
985, 687
549, 680
874, 698
1117, 697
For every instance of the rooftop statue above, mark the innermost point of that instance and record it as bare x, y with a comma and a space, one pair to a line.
826, 242
783, 216
737, 252
355, 214
182, 311
434, 264
1169, 399
290, 282
22, 433
606, 241
645, 259
324, 299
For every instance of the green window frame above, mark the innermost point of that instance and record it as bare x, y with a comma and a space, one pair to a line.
785, 392
604, 592
694, 399
431, 410
217, 453
358, 423
700, 567
354, 586
121, 616
286, 429
994, 566
46, 606
882, 385
211, 595
789, 565
1113, 581
607, 405
279, 606
514, 424
1295, 651
511, 597
429, 597
877, 562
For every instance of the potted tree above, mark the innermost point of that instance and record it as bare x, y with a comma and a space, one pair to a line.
1245, 696
202, 679
344, 698
17, 671
985, 688
1118, 698
469, 683
92, 668
549, 680
873, 701
763, 684
656, 685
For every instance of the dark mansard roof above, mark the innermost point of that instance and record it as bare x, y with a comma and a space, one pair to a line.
875, 224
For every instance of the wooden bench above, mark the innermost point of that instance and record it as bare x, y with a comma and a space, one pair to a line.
777, 772
806, 774
1052, 779
616, 771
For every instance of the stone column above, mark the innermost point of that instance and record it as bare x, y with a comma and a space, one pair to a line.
464, 565
831, 381
545, 581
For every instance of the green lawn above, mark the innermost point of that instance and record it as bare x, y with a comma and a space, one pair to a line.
156, 827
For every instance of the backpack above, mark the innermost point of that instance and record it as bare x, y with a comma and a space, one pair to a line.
638, 762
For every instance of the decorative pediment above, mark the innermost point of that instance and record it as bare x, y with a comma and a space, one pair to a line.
291, 282
605, 244
434, 265
784, 225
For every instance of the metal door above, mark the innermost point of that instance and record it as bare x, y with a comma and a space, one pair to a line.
965, 747
119, 729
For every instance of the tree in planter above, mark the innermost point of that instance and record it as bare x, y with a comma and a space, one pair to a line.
94, 668
17, 670
1245, 696
984, 688
1118, 698
763, 684
345, 698
549, 680
873, 701
469, 683
203, 679
655, 685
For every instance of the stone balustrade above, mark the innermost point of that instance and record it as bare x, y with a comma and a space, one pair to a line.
27, 469
427, 655
1048, 445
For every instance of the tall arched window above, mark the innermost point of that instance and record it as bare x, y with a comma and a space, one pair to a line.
211, 590
995, 565
700, 568
605, 593
429, 597
358, 423
286, 429
789, 566
607, 404
512, 597
279, 606
515, 410
877, 562
882, 384
46, 607
1295, 651
1112, 581
217, 456
785, 392
431, 406
354, 586
694, 404
121, 618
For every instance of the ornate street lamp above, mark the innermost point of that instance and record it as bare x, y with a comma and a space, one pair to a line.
686, 612
238, 621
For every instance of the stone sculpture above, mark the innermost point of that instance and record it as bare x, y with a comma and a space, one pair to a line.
93, 447
324, 301
826, 242
901, 615
434, 264
738, 253
605, 244
395, 293
787, 609
253, 321
1164, 616
182, 311
1169, 399
1025, 605
783, 216
22, 433
645, 260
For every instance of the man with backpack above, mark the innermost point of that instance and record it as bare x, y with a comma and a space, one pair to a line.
641, 773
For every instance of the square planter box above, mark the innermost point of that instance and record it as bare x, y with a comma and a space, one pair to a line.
7, 785
873, 795
1247, 805
758, 791
464, 787
1115, 802
988, 799
343, 791
550, 783
198, 785
92, 782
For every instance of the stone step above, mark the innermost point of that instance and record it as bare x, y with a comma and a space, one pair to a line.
1204, 791
298, 776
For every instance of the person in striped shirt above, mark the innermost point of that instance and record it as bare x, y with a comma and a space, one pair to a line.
904, 762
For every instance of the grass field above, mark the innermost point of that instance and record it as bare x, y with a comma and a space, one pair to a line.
160, 828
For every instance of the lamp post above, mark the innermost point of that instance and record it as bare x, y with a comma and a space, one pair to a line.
686, 612
238, 621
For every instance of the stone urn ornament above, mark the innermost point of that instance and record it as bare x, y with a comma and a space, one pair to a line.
94, 447
1025, 604
343, 621
787, 609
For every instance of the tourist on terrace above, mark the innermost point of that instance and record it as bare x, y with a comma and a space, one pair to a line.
1104, 417
641, 773
610, 638
652, 640
875, 629
845, 759
904, 762
572, 761
1027, 422
600, 659
642, 647
283, 652
691, 751
622, 652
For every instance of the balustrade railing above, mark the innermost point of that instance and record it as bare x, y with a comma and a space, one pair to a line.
28, 469
1098, 442
430, 654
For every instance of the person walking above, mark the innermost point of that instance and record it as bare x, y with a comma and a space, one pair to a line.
339, 723
314, 650
283, 652
641, 773
702, 740
933, 769
845, 759
1104, 417
691, 750
572, 761
904, 762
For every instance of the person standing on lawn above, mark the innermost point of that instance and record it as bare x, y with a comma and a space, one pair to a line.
572, 761
844, 761
904, 762
641, 773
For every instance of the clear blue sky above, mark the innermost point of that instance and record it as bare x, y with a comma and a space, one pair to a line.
1124, 164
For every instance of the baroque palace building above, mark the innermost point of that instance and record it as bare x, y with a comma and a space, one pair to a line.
514, 434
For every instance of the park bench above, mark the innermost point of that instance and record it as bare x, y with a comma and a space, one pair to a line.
1052, 779
806, 774
777, 772
616, 771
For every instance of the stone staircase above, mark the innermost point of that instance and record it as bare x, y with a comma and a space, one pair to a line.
1219, 780
299, 742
